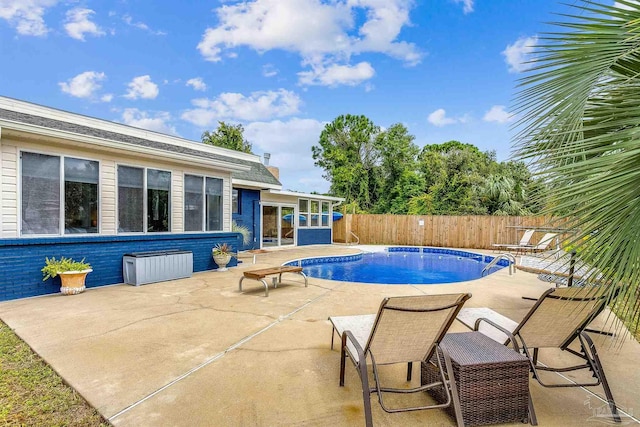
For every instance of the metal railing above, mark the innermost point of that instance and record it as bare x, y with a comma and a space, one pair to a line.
356, 236
508, 257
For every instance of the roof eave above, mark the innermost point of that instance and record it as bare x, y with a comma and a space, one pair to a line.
120, 145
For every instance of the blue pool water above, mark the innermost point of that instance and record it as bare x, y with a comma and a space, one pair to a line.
401, 266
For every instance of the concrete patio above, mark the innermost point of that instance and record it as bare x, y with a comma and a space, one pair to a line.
197, 352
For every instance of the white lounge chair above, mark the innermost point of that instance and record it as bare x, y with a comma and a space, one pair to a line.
524, 241
543, 244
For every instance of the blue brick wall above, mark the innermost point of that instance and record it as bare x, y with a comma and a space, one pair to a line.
249, 215
314, 236
22, 259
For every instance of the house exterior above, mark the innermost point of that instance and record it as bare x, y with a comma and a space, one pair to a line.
82, 187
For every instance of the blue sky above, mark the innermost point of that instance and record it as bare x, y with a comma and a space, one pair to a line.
447, 69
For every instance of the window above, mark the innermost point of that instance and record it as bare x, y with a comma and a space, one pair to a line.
130, 199
158, 196
214, 204
303, 206
134, 215
203, 203
314, 213
80, 196
193, 203
235, 206
43, 196
324, 222
315, 210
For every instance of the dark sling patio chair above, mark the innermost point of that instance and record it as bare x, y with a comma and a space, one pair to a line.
405, 330
557, 319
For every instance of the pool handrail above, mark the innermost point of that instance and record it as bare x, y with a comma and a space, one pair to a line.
508, 257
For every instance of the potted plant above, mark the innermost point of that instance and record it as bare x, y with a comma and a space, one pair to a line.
72, 273
222, 253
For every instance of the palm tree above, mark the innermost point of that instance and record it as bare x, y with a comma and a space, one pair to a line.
580, 128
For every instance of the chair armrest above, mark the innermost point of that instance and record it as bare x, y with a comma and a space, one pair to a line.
505, 331
347, 335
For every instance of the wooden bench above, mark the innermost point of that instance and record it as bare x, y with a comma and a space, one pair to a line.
264, 272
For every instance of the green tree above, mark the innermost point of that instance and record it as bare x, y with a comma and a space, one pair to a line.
228, 136
511, 190
347, 153
399, 178
580, 118
452, 171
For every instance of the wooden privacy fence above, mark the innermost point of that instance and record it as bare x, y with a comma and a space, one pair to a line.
478, 232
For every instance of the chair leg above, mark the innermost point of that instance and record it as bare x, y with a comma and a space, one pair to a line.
409, 369
602, 377
457, 408
343, 358
533, 420
366, 393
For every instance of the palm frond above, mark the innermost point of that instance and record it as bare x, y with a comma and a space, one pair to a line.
580, 127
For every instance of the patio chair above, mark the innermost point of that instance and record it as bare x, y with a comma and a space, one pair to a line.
524, 241
557, 319
543, 244
405, 330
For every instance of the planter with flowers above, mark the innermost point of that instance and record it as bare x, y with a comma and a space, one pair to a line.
72, 274
222, 254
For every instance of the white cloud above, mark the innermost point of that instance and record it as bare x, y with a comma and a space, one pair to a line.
269, 70
289, 143
27, 16
236, 106
467, 5
106, 97
157, 121
142, 26
439, 118
197, 84
498, 114
142, 87
78, 23
334, 75
84, 85
330, 38
519, 54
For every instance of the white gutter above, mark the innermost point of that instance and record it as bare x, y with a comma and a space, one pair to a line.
257, 185
308, 195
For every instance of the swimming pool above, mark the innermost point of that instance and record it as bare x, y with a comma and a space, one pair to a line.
401, 265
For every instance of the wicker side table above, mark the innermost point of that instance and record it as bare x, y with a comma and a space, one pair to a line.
492, 380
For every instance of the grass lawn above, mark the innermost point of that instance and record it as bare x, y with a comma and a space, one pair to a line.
31, 393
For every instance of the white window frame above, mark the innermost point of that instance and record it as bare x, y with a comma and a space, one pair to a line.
225, 203
145, 224
295, 224
61, 232
308, 213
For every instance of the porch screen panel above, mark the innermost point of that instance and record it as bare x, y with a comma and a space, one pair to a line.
130, 199
213, 193
80, 196
158, 196
40, 194
193, 203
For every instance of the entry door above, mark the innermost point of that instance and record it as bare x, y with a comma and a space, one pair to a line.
278, 225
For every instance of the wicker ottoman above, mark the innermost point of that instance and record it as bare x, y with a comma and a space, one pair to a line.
492, 380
